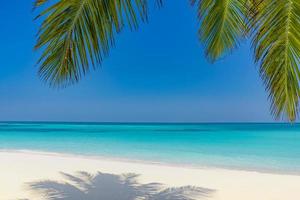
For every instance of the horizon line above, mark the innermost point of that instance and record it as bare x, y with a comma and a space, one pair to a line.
132, 122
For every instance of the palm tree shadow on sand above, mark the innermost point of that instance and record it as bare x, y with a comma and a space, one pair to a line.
84, 186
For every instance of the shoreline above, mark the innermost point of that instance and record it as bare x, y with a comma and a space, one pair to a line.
149, 162
20, 171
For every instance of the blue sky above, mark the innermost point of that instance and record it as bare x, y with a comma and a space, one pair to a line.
156, 74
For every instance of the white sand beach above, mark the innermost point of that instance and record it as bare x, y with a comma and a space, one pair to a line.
38, 176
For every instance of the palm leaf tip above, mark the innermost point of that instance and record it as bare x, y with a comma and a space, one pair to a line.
222, 25
76, 35
39, 2
277, 50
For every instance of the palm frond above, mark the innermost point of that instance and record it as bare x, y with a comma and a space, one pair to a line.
277, 49
39, 2
222, 25
76, 35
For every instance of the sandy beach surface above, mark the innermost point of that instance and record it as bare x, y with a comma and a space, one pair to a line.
37, 176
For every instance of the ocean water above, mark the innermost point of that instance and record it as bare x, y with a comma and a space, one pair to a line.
273, 147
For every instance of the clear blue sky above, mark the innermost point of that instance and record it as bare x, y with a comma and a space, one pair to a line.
156, 74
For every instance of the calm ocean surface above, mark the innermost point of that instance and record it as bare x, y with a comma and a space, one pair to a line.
246, 146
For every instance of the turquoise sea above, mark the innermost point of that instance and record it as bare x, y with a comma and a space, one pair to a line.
244, 146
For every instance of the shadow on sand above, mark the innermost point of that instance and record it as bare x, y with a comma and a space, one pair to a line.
84, 186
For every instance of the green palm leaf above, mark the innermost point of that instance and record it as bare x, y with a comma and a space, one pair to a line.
39, 2
222, 25
75, 35
277, 50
